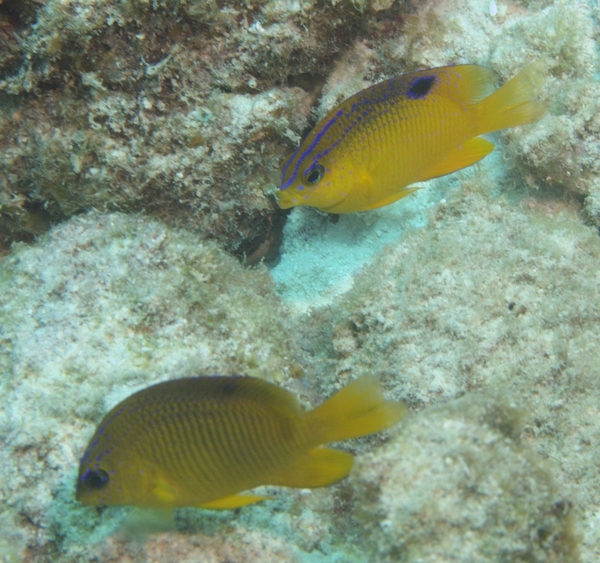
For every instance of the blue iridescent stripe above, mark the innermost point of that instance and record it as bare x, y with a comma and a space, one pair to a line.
307, 151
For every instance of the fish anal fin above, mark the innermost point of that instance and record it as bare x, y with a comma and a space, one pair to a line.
233, 501
464, 155
317, 468
391, 198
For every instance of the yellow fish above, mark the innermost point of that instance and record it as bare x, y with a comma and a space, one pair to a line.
366, 152
200, 441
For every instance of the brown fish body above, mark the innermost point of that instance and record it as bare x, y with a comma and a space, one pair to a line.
200, 441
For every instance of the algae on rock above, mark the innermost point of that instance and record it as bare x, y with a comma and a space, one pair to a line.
456, 483
132, 105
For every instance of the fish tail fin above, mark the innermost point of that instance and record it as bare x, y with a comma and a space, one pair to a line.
357, 410
514, 103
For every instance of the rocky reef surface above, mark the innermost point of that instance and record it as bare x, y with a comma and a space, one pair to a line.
185, 109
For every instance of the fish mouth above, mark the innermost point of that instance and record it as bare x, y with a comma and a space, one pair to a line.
285, 199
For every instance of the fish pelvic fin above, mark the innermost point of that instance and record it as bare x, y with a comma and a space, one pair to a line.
514, 103
141, 523
357, 410
233, 501
317, 468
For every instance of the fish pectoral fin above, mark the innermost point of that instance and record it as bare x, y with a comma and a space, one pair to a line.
391, 198
318, 468
464, 155
233, 501
163, 494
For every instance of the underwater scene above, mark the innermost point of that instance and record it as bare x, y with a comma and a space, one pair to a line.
300, 281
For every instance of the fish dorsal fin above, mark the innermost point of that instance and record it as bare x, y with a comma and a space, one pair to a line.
264, 393
317, 468
223, 389
466, 154
463, 84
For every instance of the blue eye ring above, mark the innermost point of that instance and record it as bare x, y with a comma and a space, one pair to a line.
313, 174
95, 479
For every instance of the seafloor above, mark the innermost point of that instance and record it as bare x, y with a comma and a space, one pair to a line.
140, 241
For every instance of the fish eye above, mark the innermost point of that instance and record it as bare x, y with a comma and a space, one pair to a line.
314, 173
95, 479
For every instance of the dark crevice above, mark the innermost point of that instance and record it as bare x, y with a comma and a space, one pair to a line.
19, 13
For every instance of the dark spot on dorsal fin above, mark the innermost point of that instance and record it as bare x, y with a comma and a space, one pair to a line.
228, 388
420, 87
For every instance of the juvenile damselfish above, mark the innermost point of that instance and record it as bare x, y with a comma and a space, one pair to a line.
200, 441
366, 152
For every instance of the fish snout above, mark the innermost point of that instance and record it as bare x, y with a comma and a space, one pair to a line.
287, 198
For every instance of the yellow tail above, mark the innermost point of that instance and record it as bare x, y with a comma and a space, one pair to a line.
513, 104
357, 410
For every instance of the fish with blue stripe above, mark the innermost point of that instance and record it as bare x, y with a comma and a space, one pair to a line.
369, 150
